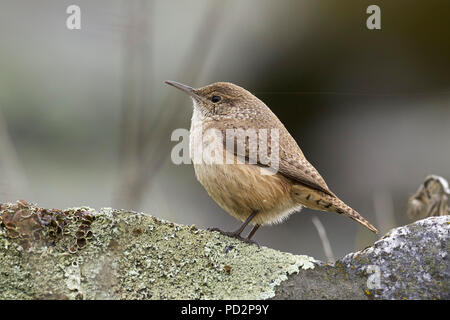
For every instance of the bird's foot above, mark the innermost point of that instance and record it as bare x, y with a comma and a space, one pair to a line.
234, 234
249, 241
215, 229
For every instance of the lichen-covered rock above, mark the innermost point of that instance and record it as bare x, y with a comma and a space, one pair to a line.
81, 253
410, 262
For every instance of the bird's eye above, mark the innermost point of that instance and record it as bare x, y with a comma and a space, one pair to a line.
215, 99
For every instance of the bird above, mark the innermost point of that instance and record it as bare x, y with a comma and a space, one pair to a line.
248, 188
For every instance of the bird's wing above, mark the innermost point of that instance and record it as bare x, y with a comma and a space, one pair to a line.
292, 163
300, 170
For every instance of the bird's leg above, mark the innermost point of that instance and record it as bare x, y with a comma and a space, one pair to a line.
242, 227
250, 235
237, 234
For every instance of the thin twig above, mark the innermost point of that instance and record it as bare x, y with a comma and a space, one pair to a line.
324, 238
150, 145
384, 210
13, 181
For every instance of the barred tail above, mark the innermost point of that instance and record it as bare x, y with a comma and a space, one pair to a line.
357, 217
318, 200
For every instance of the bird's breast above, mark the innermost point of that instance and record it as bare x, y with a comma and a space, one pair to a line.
240, 189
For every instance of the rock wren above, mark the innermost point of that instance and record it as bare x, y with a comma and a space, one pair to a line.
241, 188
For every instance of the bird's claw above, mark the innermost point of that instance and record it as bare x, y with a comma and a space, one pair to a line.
235, 235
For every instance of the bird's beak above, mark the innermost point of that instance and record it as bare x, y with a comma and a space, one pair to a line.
183, 87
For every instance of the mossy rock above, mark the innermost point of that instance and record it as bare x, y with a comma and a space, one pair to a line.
128, 255
81, 253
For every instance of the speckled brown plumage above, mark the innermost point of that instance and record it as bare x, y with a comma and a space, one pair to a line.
241, 189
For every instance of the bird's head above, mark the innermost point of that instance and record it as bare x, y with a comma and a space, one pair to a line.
220, 99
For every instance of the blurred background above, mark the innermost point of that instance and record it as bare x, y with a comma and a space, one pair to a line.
85, 118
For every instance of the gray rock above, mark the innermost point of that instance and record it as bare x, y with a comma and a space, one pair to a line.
409, 262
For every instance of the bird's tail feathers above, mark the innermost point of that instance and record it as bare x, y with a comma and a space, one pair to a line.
318, 200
